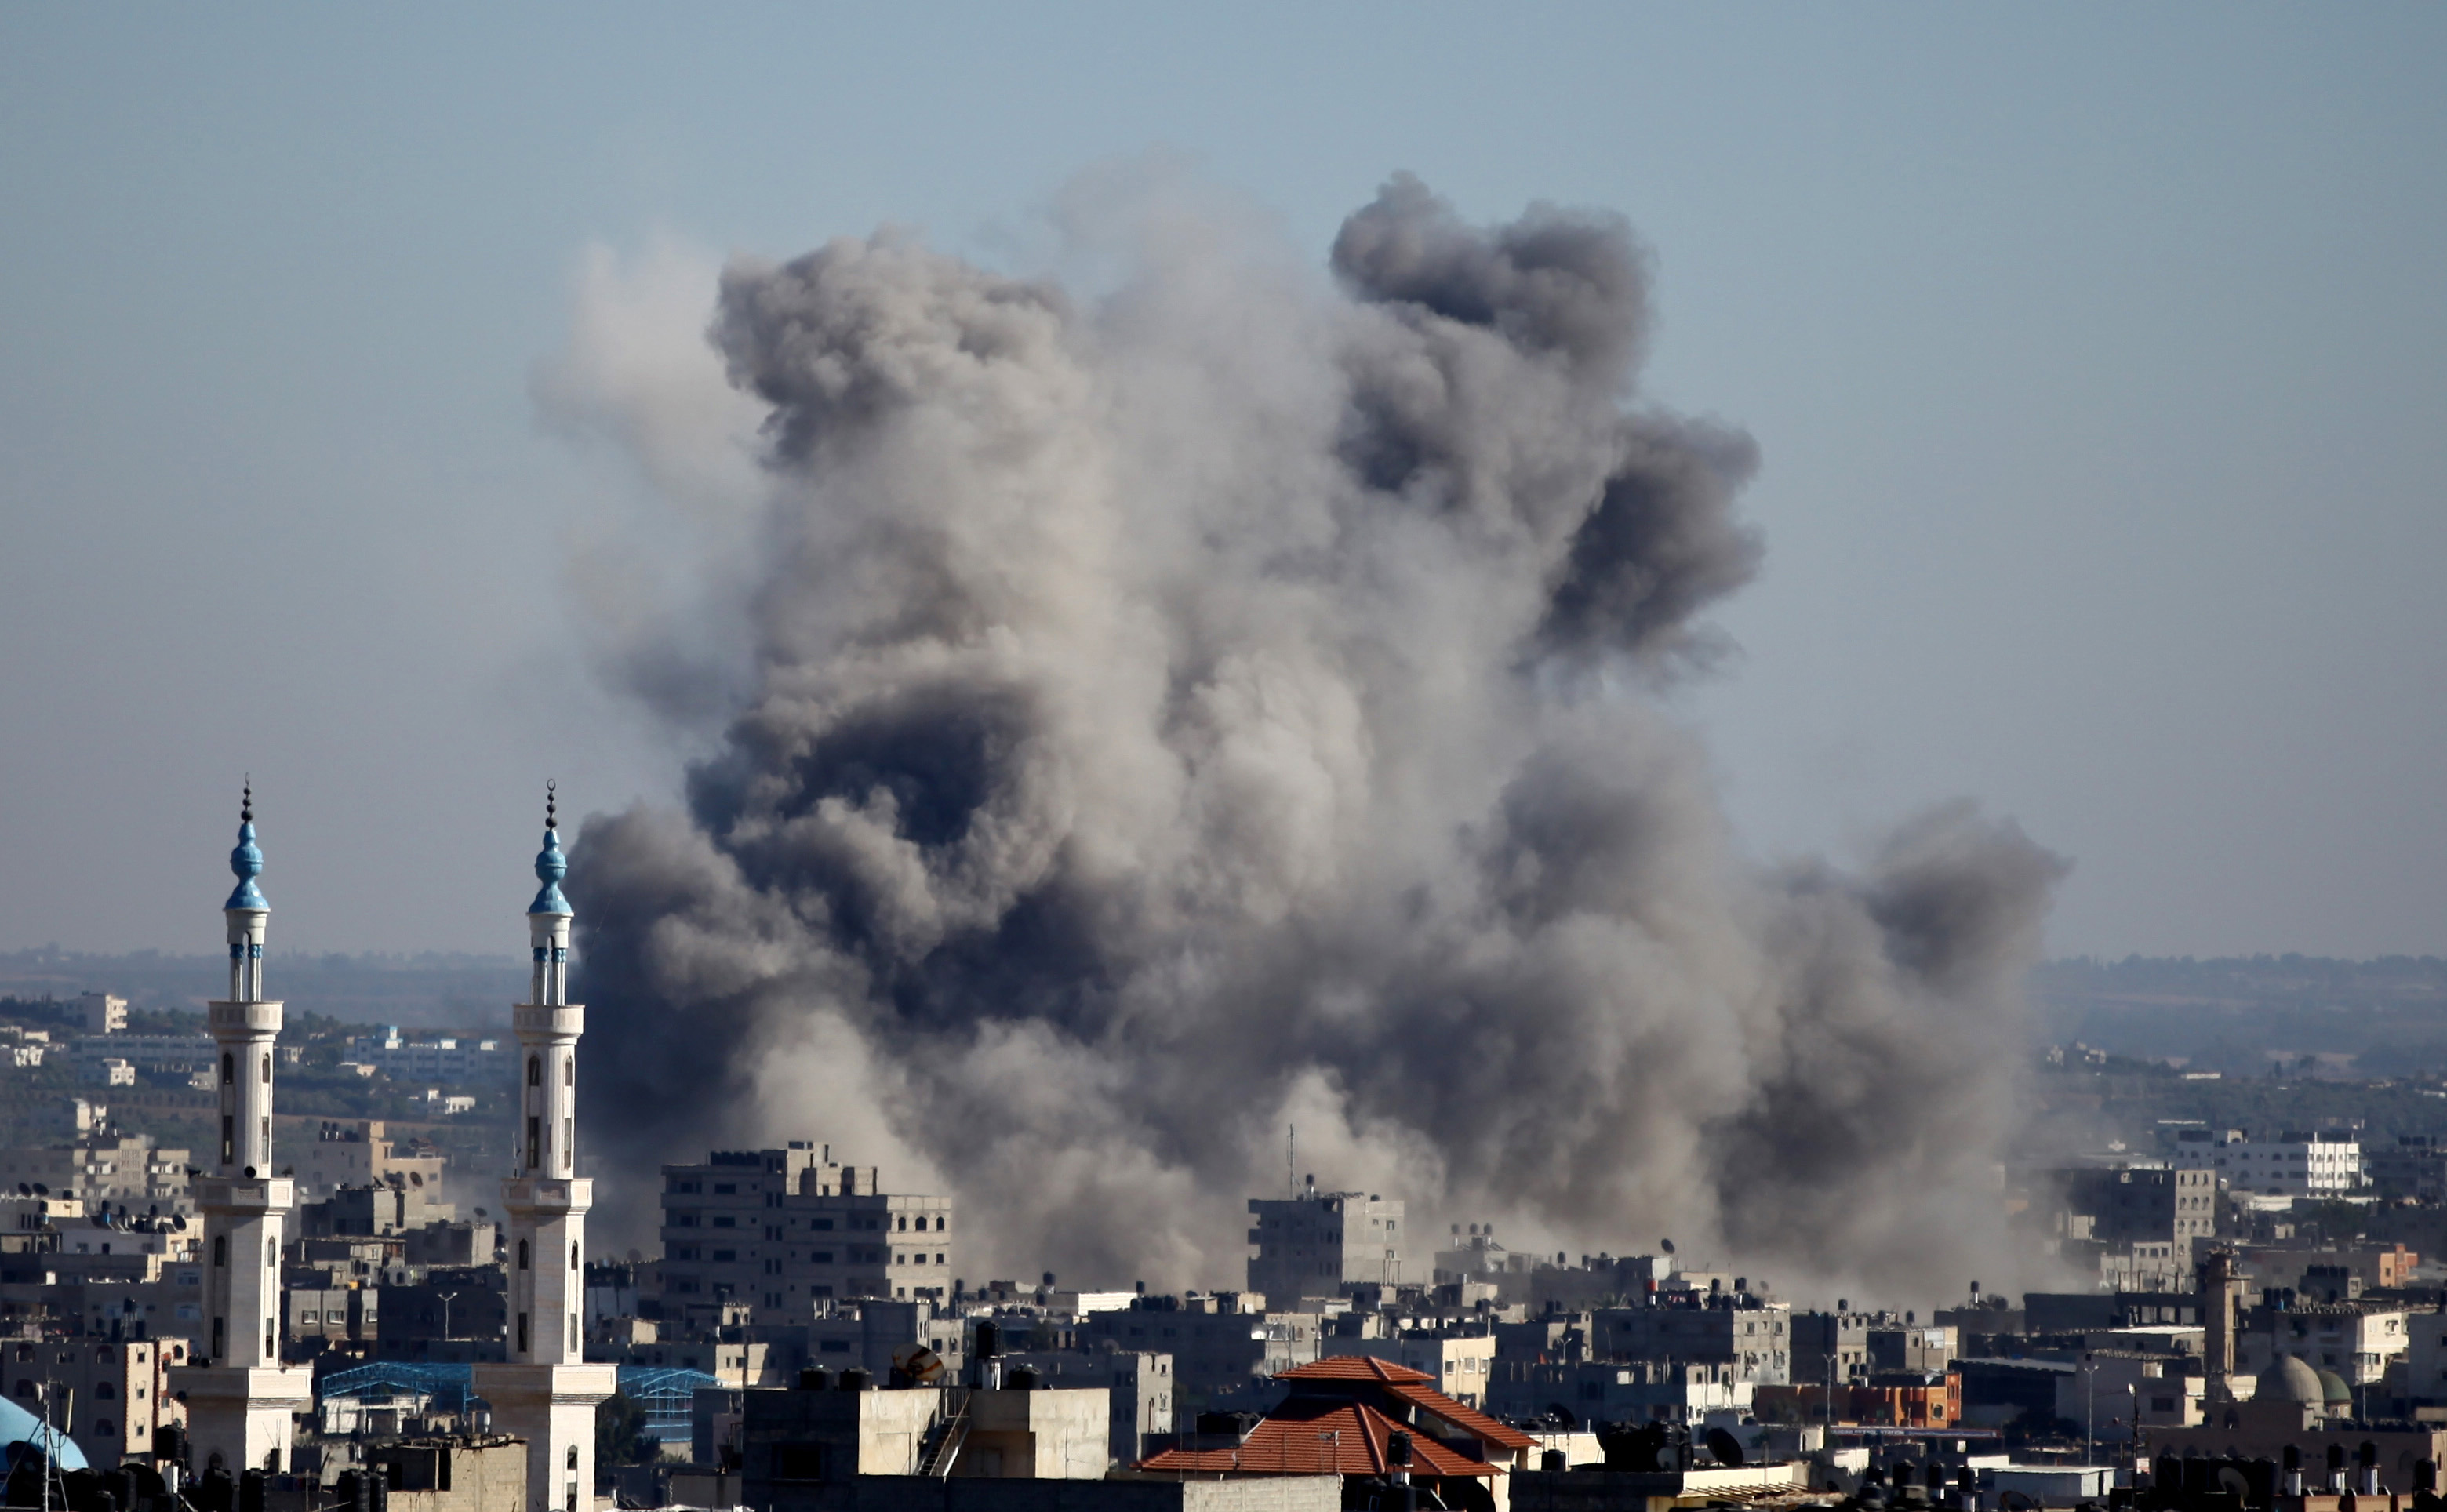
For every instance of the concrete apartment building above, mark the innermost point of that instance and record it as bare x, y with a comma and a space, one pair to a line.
437, 1060
1138, 1388
360, 1153
778, 1230
2128, 1204
107, 1394
1220, 1351
1749, 1335
2296, 1162
1830, 1346
132, 1170
1324, 1244
2357, 1343
104, 1014
1461, 1364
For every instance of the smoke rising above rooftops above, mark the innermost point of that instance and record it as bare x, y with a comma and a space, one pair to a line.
1228, 699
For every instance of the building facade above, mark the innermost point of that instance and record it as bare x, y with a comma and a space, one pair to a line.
777, 1230
1324, 1244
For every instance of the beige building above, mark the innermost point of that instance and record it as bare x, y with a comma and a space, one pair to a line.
126, 1170
334, 1154
1462, 1364
105, 1394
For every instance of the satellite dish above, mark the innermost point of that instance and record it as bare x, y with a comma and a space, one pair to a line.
1727, 1449
40, 1190
2014, 1502
415, 1180
1665, 1246
179, 1221
918, 1363
1564, 1415
2231, 1481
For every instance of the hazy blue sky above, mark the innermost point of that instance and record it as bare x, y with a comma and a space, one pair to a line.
2098, 356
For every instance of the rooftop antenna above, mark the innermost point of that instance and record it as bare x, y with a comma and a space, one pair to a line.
1291, 1160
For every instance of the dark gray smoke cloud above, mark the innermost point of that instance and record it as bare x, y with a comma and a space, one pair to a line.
1228, 701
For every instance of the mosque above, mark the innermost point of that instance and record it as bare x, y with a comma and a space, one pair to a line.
241, 1400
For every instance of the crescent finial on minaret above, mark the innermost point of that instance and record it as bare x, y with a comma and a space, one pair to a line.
550, 865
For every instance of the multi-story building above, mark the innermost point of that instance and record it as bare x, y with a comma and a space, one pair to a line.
780, 1230
1324, 1244
104, 1014
1830, 1346
2415, 1165
1617, 1391
2357, 1341
1220, 1352
437, 1060
2296, 1162
105, 1394
361, 1153
1749, 1334
131, 1170
146, 1052
2127, 1205
1462, 1363
1139, 1399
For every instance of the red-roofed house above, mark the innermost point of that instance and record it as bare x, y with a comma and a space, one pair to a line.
1341, 1417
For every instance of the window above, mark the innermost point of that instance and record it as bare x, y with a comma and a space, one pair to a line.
569, 1078
229, 1069
535, 1070
904, 1225
27, 1387
798, 1462
221, 1249
523, 1255
824, 1224
267, 1070
106, 1392
726, 1188
573, 1256
939, 1226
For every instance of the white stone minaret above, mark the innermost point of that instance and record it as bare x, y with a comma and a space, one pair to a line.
239, 1397
545, 1395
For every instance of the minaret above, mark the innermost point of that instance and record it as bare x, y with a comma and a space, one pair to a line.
545, 1395
239, 1397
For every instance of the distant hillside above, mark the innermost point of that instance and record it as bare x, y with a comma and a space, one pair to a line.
2241, 1014
432, 991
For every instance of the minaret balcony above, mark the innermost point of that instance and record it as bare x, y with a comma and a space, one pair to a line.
243, 1018
239, 1194
549, 1020
546, 1197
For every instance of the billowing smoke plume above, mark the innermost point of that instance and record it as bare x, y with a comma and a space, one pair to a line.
1227, 703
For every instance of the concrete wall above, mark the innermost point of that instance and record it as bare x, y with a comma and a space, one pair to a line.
1036, 1435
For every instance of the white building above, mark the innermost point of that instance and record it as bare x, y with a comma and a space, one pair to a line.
104, 1014
112, 1072
437, 1060
2295, 1163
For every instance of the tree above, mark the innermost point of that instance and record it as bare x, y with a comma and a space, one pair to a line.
620, 1437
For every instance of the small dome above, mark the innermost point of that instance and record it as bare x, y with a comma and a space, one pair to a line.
2289, 1379
2333, 1387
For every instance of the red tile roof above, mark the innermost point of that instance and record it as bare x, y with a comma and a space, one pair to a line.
1417, 1388
1338, 1438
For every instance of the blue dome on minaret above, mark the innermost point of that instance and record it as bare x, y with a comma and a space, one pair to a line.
551, 866
246, 860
